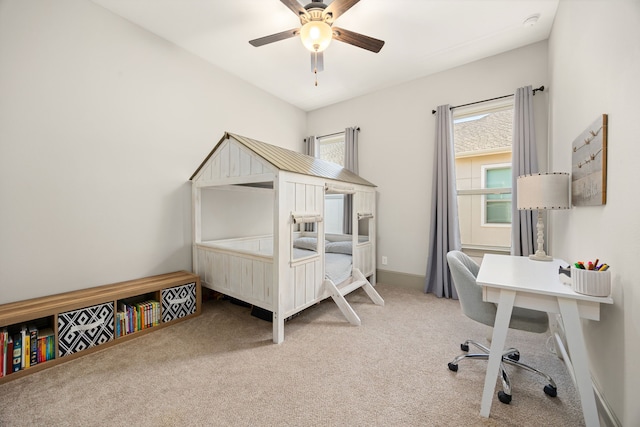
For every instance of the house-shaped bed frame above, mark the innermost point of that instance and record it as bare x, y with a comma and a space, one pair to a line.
263, 270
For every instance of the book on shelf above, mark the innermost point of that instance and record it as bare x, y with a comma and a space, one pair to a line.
133, 317
8, 357
26, 347
148, 316
33, 345
118, 326
4, 338
17, 352
46, 345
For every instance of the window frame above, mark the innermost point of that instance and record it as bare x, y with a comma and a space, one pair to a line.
296, 230
495, 190
478, 110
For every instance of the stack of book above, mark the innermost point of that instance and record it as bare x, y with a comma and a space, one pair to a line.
26, 348
132, 317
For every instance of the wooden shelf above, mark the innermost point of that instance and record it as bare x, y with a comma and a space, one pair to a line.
18, 313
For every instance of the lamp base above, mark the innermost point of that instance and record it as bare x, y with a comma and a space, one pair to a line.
540, 254
542, 257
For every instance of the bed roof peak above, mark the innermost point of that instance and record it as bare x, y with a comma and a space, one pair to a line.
289, 160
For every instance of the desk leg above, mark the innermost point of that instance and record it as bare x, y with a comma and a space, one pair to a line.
579, 359
500, 328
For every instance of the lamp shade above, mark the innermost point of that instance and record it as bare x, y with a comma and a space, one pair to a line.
543, 191
316, 35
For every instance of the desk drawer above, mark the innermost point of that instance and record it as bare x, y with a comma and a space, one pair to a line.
178, 302
85, 328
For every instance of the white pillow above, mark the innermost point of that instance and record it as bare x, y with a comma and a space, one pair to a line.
308, 243
343, 247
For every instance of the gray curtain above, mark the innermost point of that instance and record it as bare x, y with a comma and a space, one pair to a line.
310, 149
444, 235
310, 146
350, 163
524, 161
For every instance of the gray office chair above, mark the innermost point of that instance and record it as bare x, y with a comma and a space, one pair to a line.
464, 272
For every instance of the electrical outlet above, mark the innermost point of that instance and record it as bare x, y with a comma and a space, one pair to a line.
384, 260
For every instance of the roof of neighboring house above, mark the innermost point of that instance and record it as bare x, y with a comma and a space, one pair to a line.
290, 161
493, 131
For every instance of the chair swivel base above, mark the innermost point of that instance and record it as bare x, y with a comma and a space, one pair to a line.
510, 356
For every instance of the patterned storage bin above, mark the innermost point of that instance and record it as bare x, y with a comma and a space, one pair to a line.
178, 302
85, 328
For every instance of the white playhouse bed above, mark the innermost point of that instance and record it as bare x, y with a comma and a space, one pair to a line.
290, 269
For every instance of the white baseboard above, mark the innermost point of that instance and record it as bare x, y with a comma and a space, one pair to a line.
607, 417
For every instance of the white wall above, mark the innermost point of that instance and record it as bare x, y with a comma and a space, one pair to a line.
594, 72
396, 142
101, 126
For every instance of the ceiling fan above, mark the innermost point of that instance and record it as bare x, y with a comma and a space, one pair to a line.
317, 30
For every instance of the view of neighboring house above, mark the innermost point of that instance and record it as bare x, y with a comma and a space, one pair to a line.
483, 161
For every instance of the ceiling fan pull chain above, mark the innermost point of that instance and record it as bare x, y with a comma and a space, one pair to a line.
315, 66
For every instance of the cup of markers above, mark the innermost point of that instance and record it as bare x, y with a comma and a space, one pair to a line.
591, 278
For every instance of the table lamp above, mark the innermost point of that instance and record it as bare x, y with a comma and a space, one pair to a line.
543, 191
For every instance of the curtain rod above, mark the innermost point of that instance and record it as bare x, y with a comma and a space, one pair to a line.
334, 134
541, 89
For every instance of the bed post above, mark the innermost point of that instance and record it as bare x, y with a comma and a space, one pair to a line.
278, 328
196, 227
373, 235
280, 254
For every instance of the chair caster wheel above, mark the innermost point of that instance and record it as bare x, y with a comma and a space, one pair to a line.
504, 397
550, 390
464, 347
514, 356
454, 368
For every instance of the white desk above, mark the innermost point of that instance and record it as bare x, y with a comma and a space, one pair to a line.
511, 281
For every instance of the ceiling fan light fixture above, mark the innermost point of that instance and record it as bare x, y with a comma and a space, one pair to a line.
316, 35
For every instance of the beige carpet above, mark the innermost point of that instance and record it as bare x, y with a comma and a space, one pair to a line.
221, 369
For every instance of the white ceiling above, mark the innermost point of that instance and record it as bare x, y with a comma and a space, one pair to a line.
421, 37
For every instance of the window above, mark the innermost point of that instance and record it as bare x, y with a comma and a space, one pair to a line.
497, 207
331, 148
304, 244
364, 226
483, 140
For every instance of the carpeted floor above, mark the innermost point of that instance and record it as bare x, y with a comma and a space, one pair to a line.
222, 369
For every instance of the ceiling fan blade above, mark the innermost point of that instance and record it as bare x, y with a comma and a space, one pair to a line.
317, 61
338, 7
359, 40
296, 8
274, 37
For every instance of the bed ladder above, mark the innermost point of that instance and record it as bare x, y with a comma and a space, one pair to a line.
338, 293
